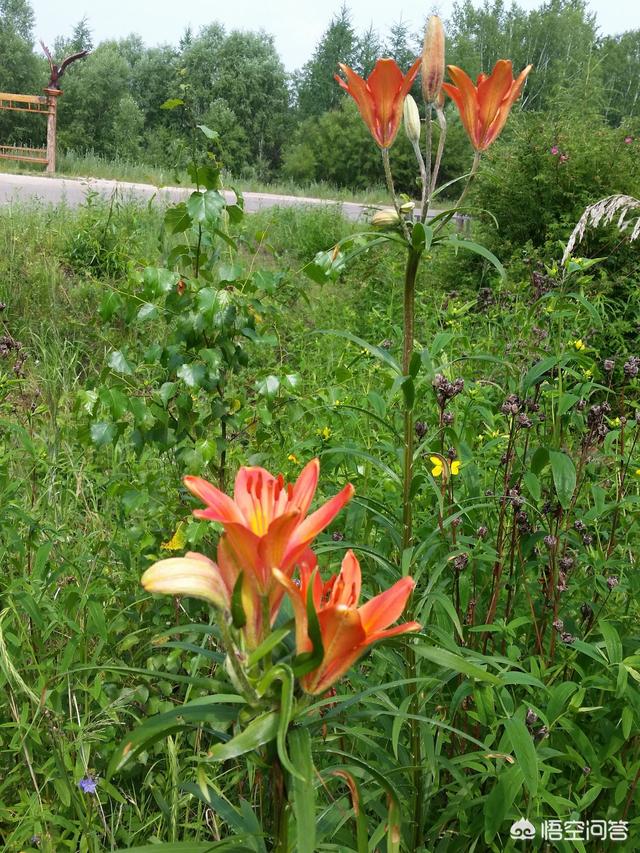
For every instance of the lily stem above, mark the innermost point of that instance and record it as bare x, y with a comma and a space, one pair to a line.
243, 682
392, 190
413, 262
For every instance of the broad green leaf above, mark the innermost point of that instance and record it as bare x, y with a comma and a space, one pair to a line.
533, 485
192, 374
171, 104
538, 370
118, 362
205, 206
208, 132
525, 752
103, 433
177, 219
564, 476
612, 641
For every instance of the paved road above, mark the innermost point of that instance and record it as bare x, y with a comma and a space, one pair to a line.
73, 191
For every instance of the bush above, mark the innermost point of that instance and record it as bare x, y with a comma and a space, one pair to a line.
538, 179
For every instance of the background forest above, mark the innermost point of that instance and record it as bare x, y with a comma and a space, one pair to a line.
274, 124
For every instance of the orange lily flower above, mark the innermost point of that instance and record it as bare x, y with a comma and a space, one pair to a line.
266, 523
380, 98
484, 108
347, 630
266, 527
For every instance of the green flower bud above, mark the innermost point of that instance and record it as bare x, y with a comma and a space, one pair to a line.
385, 218
411, 120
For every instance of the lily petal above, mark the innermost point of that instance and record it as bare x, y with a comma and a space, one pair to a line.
381, 611
305, 486
405, 628
195, 576
220, 507
346, 589
342, 637
307, 531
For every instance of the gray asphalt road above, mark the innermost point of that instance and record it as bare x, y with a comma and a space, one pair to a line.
73, 191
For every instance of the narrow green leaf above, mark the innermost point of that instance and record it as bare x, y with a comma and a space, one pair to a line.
477, 249
525, 752
238, 616
378, 352
449, 660
303, 790
262, 730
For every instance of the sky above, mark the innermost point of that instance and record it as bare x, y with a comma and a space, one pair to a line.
297, 25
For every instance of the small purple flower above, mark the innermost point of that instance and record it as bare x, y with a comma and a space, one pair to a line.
628, 140
88, 785
555, 150
612, 582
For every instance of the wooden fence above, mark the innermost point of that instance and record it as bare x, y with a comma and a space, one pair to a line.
46, 105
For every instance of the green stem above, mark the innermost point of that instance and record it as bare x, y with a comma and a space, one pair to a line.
411, 271
392, 190
472, 174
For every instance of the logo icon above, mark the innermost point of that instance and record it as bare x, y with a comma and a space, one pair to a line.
522, 829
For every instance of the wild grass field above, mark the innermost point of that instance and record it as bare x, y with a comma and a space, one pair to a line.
526, 701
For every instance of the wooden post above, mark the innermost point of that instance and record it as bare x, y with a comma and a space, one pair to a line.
52, 101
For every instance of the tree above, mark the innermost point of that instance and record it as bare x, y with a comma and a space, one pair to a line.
620, 57
368, 49
17, 16
317, 90
243, 71
401, 45
20, 71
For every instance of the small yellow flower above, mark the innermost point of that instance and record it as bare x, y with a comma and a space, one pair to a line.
615, 422
293, 458
637, 472
579, 344
324, 433
337, 402
437, 466
177, 541
588, 373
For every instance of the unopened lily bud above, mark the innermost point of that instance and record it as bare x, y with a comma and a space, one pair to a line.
385, 218
411, 119
433, 60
